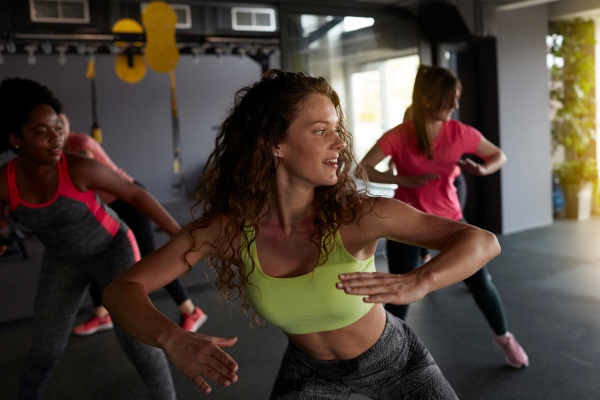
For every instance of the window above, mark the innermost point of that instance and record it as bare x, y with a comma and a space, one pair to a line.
381, 93
59, 11
253, 19
371, 69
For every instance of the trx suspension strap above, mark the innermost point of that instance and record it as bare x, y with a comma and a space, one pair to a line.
91, 75
179, 184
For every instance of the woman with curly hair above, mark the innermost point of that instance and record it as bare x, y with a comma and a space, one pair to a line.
283, 225
53, 194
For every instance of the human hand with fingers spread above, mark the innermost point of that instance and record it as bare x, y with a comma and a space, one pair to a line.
472, 167
380, 287
200, 356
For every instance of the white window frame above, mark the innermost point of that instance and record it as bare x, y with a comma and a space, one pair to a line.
253, 11
60, 19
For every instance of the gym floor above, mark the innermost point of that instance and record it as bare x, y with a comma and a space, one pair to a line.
549, 279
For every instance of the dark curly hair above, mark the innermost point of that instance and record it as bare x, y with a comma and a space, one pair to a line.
240, 172
18, 97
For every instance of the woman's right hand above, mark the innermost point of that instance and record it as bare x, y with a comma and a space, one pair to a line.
416, 180
2, 249
199, 356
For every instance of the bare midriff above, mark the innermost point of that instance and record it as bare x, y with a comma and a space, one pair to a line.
344, 343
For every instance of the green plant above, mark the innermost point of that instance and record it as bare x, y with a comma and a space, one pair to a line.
573, 174
572, 87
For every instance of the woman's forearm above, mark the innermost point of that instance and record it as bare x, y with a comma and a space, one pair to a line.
150, 207
464, 254
494, 163
381, 177
129, 304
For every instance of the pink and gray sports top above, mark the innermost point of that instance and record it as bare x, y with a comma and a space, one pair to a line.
307, 303
72, 221
80, 142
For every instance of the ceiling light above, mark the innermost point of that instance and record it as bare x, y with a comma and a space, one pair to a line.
523, 4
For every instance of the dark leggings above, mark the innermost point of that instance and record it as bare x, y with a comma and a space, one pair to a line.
61, 287
141, 227
398, 366
403, 258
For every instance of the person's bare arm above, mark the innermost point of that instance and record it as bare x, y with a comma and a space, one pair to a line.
494, 159
196, 355
375, 156
89, 174
463, 249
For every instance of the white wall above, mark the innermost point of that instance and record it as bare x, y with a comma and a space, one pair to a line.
524, 118
136, 118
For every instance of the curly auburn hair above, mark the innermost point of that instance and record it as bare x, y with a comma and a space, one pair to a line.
18, 98
240, 172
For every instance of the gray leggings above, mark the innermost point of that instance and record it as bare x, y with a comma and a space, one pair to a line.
398, 366
62, 285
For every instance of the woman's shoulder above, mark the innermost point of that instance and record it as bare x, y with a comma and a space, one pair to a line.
377, 208
212, 229
75, 161
211, 235
458, 128
401, 129
372, 224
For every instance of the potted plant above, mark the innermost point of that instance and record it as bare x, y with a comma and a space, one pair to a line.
577, 178
572, 86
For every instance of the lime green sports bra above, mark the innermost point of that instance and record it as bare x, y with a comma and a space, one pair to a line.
307, 303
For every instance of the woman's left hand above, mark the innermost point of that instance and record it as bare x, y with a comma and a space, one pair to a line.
380, 287
472, 167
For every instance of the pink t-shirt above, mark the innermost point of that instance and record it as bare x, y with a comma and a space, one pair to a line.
437, 196
80, 143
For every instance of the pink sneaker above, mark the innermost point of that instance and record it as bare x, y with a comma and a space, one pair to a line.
515, 355
194, 321
93, 325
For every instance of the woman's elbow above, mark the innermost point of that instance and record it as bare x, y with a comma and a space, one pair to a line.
492, 245
110, 295
114, 293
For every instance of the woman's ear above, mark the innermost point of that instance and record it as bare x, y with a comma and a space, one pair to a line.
279, 151
14, 140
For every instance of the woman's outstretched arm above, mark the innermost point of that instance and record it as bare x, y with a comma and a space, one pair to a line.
463, 249
196, 355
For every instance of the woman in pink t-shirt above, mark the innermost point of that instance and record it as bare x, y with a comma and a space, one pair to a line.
426, 151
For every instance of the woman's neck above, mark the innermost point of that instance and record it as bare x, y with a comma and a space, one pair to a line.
290, 212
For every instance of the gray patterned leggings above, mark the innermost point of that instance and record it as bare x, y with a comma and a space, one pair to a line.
398, 366
61, 287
